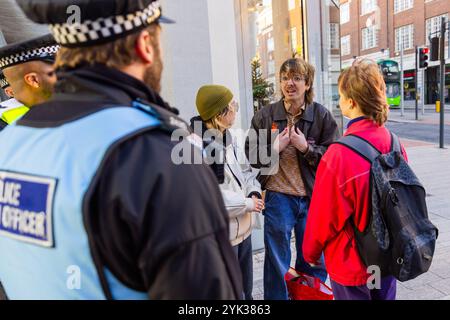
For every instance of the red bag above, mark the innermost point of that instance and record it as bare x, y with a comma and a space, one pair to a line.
305, 287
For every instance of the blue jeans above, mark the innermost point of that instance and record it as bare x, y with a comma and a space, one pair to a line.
244, 254
282, 214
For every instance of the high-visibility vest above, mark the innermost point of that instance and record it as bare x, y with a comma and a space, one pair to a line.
12, 115
45, 174
11, 110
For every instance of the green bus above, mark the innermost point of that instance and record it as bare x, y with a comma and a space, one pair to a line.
391, 75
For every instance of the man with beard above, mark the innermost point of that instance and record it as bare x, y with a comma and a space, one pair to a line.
6, 87
28, 69
6, 90
92, 205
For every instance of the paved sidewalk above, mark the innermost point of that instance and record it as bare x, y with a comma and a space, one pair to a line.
432, 166
429, 117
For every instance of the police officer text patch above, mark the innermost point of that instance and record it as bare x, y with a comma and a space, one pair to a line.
26, 204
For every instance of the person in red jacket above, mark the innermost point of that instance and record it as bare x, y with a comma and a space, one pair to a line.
341, 192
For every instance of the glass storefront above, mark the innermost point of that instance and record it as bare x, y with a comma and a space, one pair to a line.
409, 84
282, 29
279, 34
433, 84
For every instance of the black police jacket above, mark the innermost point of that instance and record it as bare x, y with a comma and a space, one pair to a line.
3, 124
158, 227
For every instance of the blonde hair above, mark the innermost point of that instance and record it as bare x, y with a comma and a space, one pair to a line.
216, 123
364, 84
115, 54
303, 68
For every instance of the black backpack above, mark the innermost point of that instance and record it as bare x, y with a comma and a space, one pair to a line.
399, 237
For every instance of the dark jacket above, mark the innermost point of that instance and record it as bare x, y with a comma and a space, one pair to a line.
198, 126
3, 124
159, 227
318, 126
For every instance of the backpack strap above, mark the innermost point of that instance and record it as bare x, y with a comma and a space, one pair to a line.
395, 143
361, 146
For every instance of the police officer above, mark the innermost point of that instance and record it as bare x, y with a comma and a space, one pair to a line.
28, 69
93, 206
4, 84
7, 91
10, 107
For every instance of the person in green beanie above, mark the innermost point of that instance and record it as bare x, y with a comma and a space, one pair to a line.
240, 189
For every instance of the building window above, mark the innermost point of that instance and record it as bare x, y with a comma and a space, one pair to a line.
368, 6
294, 42
369, 38
345, 45
404, 35
402, 5
433, 27
270, 45
271, 67
291, 4
345, 12
334, 36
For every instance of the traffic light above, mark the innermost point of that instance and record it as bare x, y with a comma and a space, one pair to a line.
423, 57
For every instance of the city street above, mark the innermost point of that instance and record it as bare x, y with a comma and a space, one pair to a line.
425, 129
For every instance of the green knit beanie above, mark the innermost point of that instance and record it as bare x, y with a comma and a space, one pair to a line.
212, 100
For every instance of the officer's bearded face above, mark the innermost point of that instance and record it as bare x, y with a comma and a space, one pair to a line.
152, 76
32, 82
48, 80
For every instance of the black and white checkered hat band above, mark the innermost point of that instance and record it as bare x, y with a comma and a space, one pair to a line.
102, 29
35, 54
3, 83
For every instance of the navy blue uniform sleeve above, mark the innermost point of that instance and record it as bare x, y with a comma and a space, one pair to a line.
3, 124
159, 227
3, 295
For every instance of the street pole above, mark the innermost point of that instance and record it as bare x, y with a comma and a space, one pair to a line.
417, 86
422, 92
442, 56
448, 42
401, 80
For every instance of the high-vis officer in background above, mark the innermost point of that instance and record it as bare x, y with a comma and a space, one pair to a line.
28, 68
4, 85
92, 205
10, 107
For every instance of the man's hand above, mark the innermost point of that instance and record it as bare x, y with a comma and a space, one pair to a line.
298, 140
282, 141
259, 204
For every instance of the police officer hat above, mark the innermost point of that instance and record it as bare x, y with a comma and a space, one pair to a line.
3, 82
99, 21
43, 48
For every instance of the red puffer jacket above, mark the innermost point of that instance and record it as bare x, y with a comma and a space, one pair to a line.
341, 193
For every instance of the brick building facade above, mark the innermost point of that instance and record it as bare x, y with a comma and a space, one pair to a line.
377, 28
